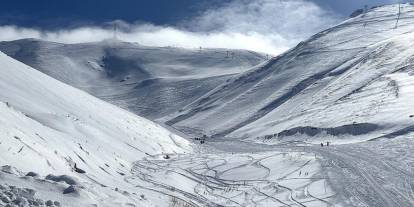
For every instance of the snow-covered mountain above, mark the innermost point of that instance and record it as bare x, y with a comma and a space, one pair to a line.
47, 127
354, 80
150, 81
348, 80
351, 83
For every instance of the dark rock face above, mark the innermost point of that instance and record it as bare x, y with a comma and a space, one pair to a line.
62, 178
70, 189
351, 129
356, 13
32, 174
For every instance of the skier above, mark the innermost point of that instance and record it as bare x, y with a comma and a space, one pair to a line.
327, 144
321, 144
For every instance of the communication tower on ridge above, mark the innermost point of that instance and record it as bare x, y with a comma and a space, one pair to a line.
115, 30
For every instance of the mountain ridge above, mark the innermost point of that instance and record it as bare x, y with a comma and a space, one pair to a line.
298, 84
149, 81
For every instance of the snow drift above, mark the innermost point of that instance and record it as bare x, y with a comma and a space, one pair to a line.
49, 127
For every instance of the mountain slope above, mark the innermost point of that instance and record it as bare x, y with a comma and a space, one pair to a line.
47, 127
150, 81
352, 79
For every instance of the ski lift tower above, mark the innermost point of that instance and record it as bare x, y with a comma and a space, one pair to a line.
398, 15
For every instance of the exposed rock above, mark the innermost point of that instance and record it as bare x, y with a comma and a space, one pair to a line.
62, 178
12, 196
10, 170
20, 201
32, 174
70, 189
49, 203
356, 13
5, 199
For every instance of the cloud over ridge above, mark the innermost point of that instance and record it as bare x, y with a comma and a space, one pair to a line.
270, 26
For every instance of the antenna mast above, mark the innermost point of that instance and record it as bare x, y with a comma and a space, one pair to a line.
115, 30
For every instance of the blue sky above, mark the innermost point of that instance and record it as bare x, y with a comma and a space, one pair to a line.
60, 13
270, 26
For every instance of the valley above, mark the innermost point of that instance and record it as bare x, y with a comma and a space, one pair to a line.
112, 123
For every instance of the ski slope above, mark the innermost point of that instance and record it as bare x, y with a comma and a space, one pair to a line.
265, 178
350, 83
149, 81
47, 127
372, 173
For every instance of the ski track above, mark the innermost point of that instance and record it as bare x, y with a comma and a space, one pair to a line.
377, 173
369, 174
216, 179
366, 178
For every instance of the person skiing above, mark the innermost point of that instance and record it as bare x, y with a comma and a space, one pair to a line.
321, 144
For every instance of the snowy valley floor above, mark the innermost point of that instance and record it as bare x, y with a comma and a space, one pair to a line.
376, 173
249, 178
235, 173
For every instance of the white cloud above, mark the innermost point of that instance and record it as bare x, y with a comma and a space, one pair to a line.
270, 26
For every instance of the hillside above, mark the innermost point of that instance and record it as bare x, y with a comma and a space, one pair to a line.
48, 127
351, 82
51, 132
328, 123
149, 81
348, 80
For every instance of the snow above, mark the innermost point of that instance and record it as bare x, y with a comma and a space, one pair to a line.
149, 81
47, 126
351, 85
338, 77
267, 178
